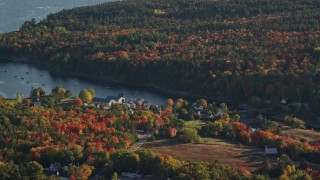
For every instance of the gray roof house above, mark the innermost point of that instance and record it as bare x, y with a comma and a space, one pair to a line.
109, 100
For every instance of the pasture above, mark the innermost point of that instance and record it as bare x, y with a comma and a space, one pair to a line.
234, 154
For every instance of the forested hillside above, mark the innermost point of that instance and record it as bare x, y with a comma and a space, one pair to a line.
227, 49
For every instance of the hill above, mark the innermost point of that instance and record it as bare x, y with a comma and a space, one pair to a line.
228, 49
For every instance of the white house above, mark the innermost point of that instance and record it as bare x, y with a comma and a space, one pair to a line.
54, 167
271, 150
284, 101
109, 100
198, 108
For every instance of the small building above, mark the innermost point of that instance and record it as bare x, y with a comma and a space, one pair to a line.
284, 101
139, 101
37, 103
220, 112
109, 100
209, 114
146, 106
132, 105
54, 167
272, 151
198, 108
253, 130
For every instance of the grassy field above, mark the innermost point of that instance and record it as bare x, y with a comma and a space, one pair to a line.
195, 124
302, 133
211, 149
12, 101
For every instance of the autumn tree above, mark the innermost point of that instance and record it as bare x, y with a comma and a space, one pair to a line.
147, 158
283, 161
235, 117
166, 165
59, 93
169, 102
224, 108
85, 95
9, 171
202, 102
115, 176
92, 92
190, 135
19, 98
34, 169
37, 92
294, 122
212, 129
171, 131
80, 173
125, 161
78, 101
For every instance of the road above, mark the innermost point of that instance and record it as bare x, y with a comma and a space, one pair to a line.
142, 139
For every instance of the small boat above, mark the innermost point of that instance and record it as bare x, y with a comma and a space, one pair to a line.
27, 82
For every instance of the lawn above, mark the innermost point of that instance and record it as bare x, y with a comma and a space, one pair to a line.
302, 133
195, 124
12, 101
211, 149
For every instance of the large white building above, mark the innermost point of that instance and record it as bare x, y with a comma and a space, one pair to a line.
109, 100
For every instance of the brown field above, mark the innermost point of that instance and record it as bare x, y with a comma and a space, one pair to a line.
211, 149
302, 133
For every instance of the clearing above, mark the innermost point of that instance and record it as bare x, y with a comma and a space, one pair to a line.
195, 124
211, 149
309, 135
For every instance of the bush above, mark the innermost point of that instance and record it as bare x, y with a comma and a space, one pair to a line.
189, 135
294, 122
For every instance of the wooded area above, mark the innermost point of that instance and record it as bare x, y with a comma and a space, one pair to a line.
225, 49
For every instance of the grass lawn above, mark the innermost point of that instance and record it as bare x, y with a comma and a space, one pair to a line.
195, 124
12, 101
302, 133
211, 149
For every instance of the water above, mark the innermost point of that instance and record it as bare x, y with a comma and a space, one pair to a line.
13, 13
20, 78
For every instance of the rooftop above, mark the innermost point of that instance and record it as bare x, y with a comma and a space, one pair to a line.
106, 99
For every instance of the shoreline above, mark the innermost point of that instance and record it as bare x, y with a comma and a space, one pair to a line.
24, 60
150, 87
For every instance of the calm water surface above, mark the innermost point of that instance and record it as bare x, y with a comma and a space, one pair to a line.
13, 13
20, 78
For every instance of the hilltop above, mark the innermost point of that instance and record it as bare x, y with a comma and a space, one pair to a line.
237, 50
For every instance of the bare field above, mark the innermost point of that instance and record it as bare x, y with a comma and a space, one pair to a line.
302, 133
211, 149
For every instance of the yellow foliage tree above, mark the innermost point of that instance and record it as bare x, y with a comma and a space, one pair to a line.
80, 173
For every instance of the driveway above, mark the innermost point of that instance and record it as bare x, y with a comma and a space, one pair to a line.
142, 138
